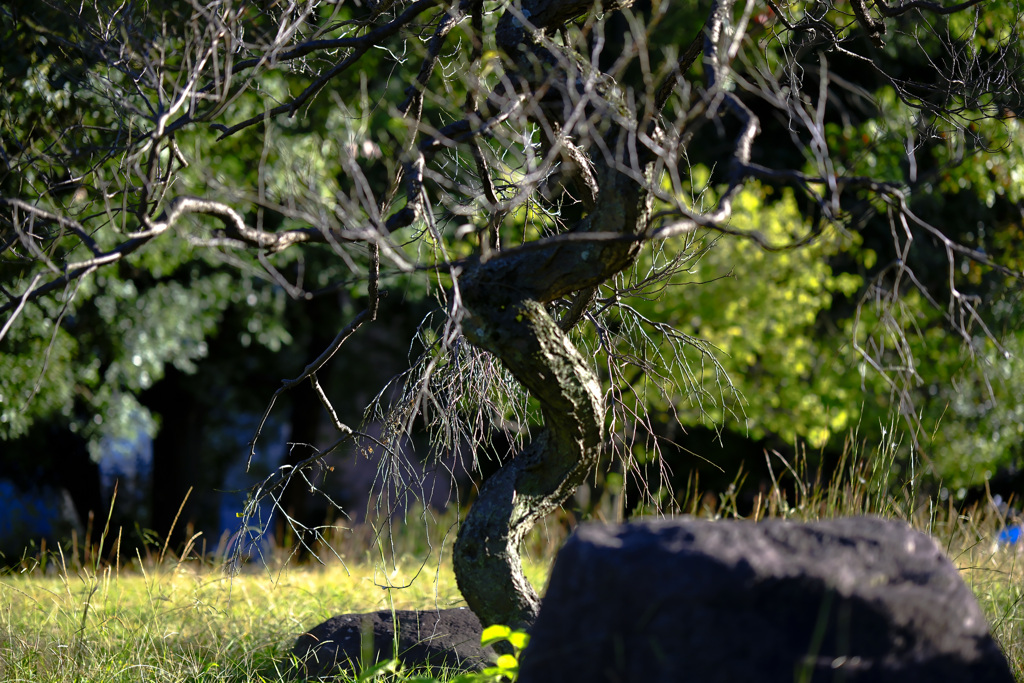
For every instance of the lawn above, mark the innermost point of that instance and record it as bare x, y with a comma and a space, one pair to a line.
77, 619
190, 620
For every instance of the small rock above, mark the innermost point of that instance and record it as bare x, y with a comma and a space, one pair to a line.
429, 638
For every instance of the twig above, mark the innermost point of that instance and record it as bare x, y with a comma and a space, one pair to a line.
22, 300
308, 372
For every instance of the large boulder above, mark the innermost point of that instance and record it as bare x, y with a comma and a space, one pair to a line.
429, 638
856, 599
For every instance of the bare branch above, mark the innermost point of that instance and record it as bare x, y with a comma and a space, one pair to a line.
22, 300
309, 372
935, 7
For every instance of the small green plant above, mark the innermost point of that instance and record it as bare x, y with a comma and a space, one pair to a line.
504, 670
379, 670
507, 666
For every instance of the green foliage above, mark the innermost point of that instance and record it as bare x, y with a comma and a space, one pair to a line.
82, 360
798, 344
114, 339
782, 366
780, 325
507, 666
978, 417
792, 330
762, 311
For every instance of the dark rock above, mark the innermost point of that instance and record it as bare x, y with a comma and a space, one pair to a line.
857, 599
430, 638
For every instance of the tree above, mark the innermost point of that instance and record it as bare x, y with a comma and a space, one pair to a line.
535, 167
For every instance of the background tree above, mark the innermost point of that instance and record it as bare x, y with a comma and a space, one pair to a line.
545, 170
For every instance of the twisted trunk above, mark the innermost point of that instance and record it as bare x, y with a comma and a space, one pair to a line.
543, 475
505, 300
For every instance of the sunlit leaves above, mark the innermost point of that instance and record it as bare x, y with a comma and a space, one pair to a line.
765, 312
36, 370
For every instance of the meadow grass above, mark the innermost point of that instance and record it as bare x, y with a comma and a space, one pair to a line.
190, 620
160, 618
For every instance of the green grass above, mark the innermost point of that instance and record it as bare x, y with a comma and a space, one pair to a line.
189, 621
153, 619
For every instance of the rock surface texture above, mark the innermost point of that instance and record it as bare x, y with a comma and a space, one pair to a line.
434, 638
855, 599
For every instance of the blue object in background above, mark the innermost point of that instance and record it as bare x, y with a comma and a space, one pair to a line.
26, 513
1011, 535
27, 516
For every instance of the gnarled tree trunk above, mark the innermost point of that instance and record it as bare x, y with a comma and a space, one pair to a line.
505, 299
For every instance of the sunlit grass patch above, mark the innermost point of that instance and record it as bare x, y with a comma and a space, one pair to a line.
995, 573
186, 623
188, 620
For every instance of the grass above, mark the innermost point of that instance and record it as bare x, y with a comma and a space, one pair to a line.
189, 621
183, 623
78, 619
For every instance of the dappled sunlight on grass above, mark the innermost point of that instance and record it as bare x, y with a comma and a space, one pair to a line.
187, 620
995, 574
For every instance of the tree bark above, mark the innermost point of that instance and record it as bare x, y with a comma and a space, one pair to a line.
507, 317
537, 480
505, 301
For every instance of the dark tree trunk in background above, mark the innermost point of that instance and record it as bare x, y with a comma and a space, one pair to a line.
305, 509
177, 458
51, 455
75, 471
